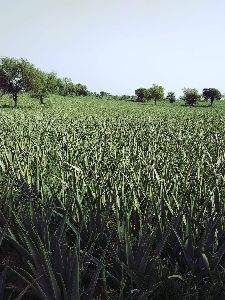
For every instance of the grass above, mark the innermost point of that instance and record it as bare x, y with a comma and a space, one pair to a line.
106, 199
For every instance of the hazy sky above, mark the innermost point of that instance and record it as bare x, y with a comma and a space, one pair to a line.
120, 45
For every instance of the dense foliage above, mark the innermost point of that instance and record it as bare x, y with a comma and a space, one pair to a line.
171, 97
108, 200
190, 96
18, 75
211, 94
141, 94
155, 93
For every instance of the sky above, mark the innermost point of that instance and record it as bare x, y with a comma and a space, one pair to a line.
120, 45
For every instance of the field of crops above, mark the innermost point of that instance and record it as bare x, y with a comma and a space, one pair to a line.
104, 199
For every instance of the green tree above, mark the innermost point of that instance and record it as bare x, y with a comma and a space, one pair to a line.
211, 94
125, 97
40, 88
190, 96
69, 87
53, 83
104, 94
59, 86
141, 94
16, 75
156, 93
171, 97
81, 90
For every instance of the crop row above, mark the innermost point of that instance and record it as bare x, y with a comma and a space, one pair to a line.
96, 207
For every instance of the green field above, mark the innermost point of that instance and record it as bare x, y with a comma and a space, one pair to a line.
106, 199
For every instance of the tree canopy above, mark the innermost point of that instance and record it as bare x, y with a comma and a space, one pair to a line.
81, 90
171, 97
16, 75
190, 96
141, 94
211, 94
19, 75
156, 92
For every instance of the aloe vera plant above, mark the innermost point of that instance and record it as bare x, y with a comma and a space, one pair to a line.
107, 202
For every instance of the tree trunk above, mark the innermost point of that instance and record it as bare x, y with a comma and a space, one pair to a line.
155, 101
41, 99
211, 101
15, 99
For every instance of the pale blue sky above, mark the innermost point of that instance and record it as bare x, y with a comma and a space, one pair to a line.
120, 45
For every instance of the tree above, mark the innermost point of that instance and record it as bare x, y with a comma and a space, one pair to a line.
211, 94
171, 97
190, 96
59, 86
81, 90
125, 97
104, 94
141, 94
68, 87
16, 76
53, 83
40, 88
156, 92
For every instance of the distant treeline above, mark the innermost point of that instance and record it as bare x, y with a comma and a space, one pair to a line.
19, 75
